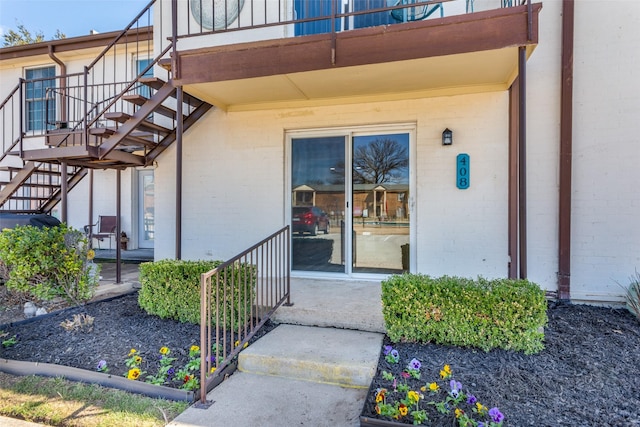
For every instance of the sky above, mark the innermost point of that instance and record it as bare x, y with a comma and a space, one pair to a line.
71, 17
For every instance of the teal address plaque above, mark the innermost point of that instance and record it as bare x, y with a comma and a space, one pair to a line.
462, 171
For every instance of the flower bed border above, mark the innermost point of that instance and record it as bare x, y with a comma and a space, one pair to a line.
22, 368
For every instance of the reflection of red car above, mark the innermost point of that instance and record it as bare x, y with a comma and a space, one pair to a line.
309, 219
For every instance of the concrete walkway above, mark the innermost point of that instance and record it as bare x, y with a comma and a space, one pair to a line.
309, 371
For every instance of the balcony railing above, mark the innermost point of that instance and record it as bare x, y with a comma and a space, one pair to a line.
304, 17
237, 298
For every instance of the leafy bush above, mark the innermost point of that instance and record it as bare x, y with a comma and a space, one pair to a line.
633, 295
49, 262
171, 289
503, 313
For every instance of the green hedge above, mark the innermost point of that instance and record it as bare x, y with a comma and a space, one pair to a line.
502, 313
171, 289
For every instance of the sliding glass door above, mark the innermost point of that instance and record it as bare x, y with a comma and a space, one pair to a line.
380, 195
318, 204
349, 203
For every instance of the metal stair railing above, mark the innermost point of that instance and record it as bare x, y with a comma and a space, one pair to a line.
11, 114
82, 96
236, 300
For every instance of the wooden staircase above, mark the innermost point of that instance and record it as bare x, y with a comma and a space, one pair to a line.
113, 140
127, 139
101, 121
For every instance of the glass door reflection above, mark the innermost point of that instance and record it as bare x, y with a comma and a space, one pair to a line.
380, 196
318, 204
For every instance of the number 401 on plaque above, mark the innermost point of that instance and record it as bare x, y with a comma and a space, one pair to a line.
462, 171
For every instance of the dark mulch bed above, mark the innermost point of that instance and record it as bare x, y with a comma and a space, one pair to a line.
119, 325
587, 375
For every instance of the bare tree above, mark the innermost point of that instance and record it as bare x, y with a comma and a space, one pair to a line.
379, 161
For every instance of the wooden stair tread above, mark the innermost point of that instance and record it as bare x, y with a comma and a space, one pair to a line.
104, 132
153, 127
140, 100
118, 116
157, 83
135, 98
154, 82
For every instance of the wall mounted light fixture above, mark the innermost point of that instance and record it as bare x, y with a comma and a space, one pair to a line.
447, 137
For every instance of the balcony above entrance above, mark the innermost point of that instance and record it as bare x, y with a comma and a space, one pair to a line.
468, 53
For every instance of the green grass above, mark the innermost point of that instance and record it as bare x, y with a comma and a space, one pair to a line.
58, 402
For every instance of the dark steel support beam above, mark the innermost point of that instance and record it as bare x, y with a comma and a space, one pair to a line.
513, 181
522, 158
566, 149
179, 129
118, 228
63, 191
21, 116
90, 236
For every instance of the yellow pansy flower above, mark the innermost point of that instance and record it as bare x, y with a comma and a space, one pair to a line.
403, 410
133, 374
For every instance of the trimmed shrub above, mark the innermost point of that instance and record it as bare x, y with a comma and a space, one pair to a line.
47, 263
487, 314
171, 289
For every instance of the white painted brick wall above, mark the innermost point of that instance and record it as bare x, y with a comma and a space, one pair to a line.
606, 197
235, 179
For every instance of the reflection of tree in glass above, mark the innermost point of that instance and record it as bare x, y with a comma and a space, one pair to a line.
382, 160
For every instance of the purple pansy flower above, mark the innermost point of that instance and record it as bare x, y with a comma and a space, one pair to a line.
456, 387
102, 365
415, 364
471, 399
496, 415
387, 349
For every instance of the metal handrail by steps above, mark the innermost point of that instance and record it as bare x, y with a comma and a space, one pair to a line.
237, 298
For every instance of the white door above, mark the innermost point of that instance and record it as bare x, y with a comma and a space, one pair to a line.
146, 209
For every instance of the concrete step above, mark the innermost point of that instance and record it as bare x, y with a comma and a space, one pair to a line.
341, 357
347, 304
